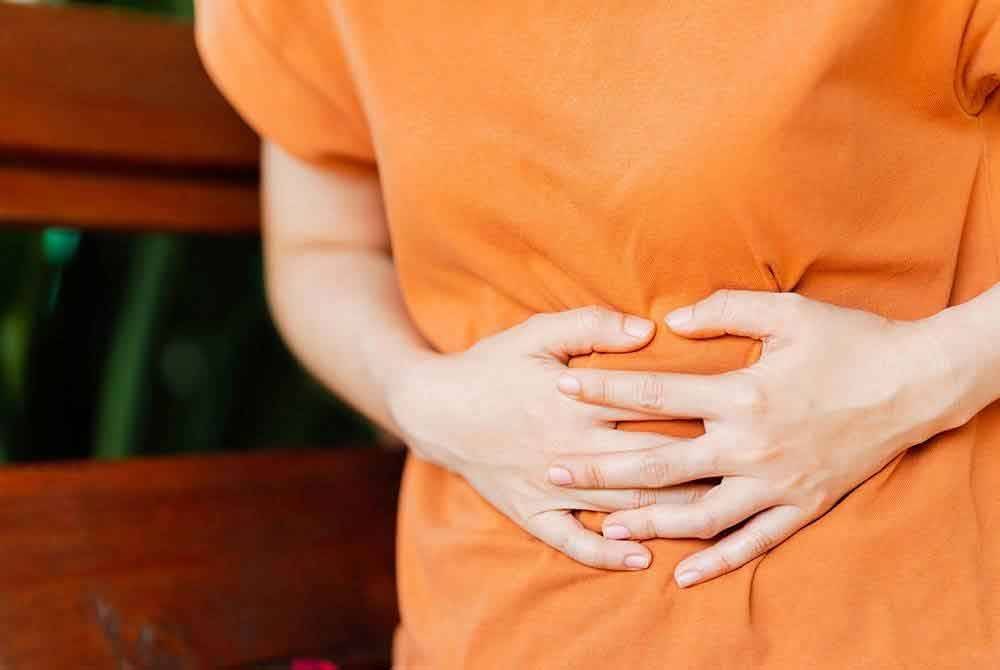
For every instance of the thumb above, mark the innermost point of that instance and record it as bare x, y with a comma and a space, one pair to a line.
577, 332
756, 314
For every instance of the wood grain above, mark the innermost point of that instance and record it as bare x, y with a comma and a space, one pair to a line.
198, 562
179, 563
110, 121
126, 202
114, 85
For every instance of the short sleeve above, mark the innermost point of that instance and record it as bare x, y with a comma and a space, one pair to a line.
978, 72
282, 66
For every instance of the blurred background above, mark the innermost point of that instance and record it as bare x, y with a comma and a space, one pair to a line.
114, 345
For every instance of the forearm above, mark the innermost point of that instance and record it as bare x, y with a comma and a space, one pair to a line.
331, 281
341, 313
968, 337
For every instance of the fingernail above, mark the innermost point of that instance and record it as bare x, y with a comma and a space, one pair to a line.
637, 327
616, 532
687, 578
560, 476
679, 317
569, 385
637, 561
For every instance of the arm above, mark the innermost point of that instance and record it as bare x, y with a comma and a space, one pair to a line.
836, 395
331, 281
490, 414
969, 336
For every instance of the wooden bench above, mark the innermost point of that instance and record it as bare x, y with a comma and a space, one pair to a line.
172, 563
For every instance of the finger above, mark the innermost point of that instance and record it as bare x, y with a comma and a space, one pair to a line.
758, 536
755, 314
605, 440
676, 462
608, 500
662, 394
614, 415
726, 505
583, 331
562, 531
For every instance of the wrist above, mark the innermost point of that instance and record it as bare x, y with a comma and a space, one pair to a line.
411, 397
957, 347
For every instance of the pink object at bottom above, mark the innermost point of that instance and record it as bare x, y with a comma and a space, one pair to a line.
310, 664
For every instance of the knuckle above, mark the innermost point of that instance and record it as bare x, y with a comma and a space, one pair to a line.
586, 552
604, 389
652, 525
820, 500
764, 453
654, 471
756, 542
708, 526
643, 498
724, 303
694, 493
649, 392
593, 474
638, 498
796, 484
752, 397
711, 461
724, 562
588, 319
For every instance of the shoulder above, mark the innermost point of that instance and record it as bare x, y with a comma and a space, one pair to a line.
282, 66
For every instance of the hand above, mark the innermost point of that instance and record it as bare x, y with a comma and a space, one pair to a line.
836, 394
491, 415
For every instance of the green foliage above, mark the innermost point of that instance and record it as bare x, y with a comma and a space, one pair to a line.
22, 260
181, 8
113, 345
144, 344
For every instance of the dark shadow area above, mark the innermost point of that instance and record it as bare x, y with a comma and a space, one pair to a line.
115, 345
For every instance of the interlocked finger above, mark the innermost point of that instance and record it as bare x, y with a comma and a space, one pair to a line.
562, 531
728, 504
614, 500
759, 535
661, 394
676, 462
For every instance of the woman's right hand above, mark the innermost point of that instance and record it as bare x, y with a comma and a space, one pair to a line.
492, 415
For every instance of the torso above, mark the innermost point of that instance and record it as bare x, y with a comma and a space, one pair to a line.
640, 154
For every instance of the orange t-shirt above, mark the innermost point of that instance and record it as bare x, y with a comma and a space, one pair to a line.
640, 154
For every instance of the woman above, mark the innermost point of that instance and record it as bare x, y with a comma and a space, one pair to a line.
805, 467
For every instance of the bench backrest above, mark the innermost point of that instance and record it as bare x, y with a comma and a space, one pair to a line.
108, 120
198, 562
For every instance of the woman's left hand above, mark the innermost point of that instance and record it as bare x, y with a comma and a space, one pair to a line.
836, 394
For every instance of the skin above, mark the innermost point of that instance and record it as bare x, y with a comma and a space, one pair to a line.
835, 396
335, 297
785, 450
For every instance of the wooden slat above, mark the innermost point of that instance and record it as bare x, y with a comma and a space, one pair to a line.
108, 120
198, 562
125, 201
112, 85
